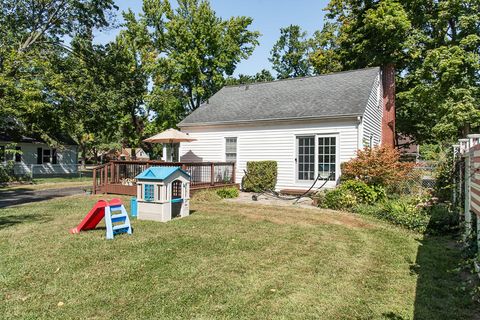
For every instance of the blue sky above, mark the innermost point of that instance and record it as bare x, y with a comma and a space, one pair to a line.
268, 17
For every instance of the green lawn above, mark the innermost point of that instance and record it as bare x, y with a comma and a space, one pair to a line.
51, 183
225, 261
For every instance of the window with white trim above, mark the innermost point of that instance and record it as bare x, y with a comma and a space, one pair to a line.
231, 149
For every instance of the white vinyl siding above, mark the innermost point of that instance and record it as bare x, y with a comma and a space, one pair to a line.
270, 141
62, 160
372, 118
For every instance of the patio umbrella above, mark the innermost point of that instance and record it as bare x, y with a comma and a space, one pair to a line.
170, 136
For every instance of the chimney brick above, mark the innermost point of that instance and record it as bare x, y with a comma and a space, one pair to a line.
388, 119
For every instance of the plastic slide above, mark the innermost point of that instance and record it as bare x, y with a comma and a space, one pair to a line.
93, 217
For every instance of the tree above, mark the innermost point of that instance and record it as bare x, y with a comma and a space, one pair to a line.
262, 76
435, 47
289, 54
194, 49
32, 37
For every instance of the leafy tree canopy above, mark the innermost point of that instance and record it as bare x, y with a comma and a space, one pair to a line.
435, 46
262, 76
194, 48
289, 55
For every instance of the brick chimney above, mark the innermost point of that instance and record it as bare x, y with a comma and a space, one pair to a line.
388, 119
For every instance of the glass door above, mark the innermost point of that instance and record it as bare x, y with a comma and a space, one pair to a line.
327, 151
306, 158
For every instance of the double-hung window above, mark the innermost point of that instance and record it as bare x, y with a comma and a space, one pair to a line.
46, 156
18, 154
317, 156
231, 149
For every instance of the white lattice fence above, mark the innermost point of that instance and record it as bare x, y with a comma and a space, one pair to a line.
469, 150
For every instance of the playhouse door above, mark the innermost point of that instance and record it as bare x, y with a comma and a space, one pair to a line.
177, 201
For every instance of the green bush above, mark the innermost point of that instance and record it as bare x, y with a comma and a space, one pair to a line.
363, 193
228, 193
380, 192
442, 219
348, 194
261, 175
402, 211
6, 172
406, 214
337, 199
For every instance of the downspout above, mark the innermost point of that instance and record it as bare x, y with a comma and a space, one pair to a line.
360, 132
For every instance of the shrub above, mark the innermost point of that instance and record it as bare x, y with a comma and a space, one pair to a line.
380, 192
379, 166
402, 212
362, 192
228, 193
444, 173
442, 219
6, 172
4, 176
261, 175
337, 199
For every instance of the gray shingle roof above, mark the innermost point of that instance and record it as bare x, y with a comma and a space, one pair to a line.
332, 95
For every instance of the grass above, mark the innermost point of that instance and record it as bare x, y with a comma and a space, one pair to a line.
51, 183
227, 261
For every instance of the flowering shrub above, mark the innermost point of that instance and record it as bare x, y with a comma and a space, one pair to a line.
379, 166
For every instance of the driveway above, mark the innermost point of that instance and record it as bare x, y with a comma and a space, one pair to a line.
19, 196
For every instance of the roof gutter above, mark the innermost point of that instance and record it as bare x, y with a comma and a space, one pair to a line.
332, 117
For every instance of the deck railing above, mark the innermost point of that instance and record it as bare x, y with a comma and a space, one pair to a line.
118, 177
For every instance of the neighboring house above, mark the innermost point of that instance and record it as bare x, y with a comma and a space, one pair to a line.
126, 154
35, 157
308, 125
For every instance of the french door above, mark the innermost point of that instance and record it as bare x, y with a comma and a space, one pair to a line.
317, 155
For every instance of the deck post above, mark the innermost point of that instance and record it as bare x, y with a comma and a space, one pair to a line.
212, 174
233, 172
94, 189
106, 179
112, 172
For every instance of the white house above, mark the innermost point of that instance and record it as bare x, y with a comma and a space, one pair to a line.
308, 125
38, 158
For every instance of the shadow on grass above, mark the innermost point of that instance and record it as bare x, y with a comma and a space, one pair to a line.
17, 196
12, 220
441, 292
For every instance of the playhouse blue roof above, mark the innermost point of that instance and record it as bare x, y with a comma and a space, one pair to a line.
159, 173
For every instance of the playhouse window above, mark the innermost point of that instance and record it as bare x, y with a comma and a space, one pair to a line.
176, 189
148, 192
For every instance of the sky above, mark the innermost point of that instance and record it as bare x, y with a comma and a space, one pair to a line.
268, 17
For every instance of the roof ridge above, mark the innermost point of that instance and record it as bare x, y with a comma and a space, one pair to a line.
298, 78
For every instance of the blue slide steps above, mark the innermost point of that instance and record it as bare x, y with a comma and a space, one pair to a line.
118, 222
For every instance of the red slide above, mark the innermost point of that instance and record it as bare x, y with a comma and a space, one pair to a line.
92, 218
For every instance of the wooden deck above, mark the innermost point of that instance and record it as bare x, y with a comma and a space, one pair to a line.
118, 177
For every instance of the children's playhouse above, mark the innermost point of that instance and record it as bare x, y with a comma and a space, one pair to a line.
163, 193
